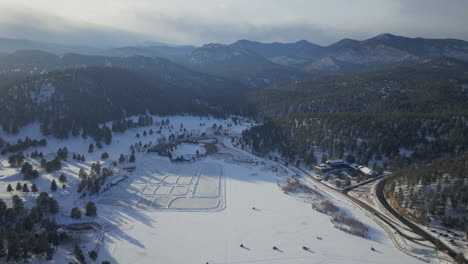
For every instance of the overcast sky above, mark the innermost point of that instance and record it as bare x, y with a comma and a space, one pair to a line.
129, 22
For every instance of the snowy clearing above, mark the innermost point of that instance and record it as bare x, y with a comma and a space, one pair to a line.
199, 211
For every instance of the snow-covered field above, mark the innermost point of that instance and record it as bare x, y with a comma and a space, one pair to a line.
200, 211
215, 237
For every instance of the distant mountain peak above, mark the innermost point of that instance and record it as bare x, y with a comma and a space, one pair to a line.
344, 42
384, 36
306, 43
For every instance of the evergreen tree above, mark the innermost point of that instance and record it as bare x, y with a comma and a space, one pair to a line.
34, 188
91, 209
91, 148
62, 153
75, 213
53, 186
16, 160
104, 156
19, 186
78, 253
107, 135
132, 158
26, 167
62, 178
53, 205
53, 165
25, 188
9, 188
93, 255
82, 174
121, 158
17, 202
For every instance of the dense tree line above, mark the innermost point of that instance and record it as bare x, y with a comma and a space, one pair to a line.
435, 192
371, 115
363, 136
122, 125
21, 145
25, 232
81, 99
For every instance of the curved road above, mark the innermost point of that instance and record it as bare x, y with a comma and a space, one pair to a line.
416, 229
379, 190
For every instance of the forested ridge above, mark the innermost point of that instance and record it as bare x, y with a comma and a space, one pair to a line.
370, 116
434, 193
412, 121
75, 101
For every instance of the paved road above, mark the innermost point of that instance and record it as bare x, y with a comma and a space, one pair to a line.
379, 190
416, 229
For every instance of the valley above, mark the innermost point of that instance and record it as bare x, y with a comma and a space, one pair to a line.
163, 208
247, 152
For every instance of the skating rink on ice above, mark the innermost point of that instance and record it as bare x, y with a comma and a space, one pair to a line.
162, 185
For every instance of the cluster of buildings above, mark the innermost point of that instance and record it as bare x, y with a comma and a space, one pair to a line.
330, 165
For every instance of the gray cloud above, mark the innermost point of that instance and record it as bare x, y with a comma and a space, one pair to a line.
55, 29
120, 22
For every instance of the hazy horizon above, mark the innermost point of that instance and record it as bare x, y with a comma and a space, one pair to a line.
121, 22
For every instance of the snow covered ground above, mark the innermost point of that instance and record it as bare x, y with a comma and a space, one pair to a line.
199, 212
215, 237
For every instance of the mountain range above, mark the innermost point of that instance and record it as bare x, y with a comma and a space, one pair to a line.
349, 55
251, 63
